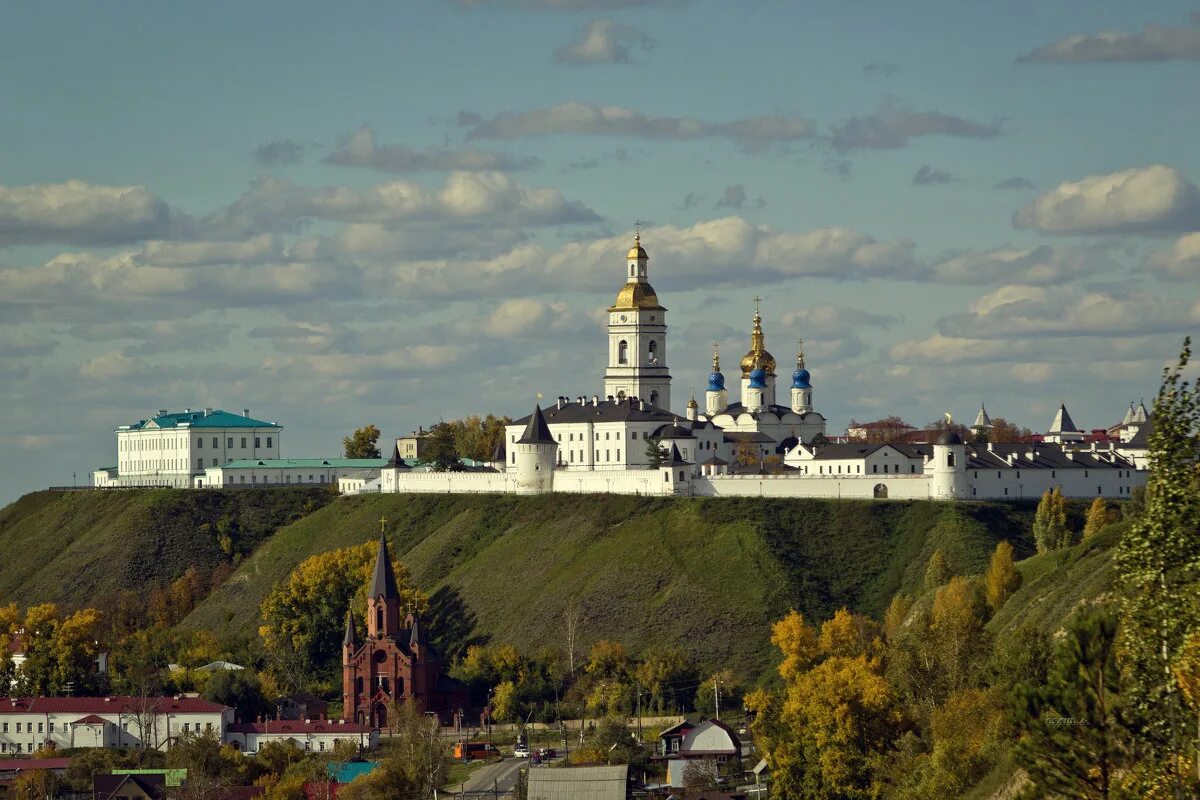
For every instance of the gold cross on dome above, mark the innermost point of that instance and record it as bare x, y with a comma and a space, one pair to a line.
382, 524
757, 300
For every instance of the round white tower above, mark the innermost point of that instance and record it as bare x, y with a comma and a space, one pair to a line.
949, 467
801, 385
716, 399
536, 451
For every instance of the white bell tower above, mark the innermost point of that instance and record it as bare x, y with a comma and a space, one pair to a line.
637, 337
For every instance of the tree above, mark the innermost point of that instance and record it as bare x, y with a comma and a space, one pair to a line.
746, 455
1004, 431
1157, 573
660, 671
819, 440
1075, 739
240, 689
797, 641
1001, 578
504, 701
35, 784
211, 766
363, 443
417, 748
956, 623
937, 572
304, 616
572, 618
1097, 518
441, 452
897, 612
655, 453
1050, 531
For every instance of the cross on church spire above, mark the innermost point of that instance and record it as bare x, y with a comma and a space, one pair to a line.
757, 300
382, 524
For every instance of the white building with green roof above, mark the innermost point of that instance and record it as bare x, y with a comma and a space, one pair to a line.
259, 472
177, 448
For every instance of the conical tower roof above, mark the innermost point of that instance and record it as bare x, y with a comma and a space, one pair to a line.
982, 420
414, 638
351, 637
537, 431
1062, 421
383, 581
1141, 415
396, 462
1128, 420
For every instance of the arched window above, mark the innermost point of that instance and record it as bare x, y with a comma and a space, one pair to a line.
652, 350
654, 398
880, 491
623, 352
949, 459
379, 619
358, 685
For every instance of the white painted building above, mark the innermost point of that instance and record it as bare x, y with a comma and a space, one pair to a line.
309, 735
599, 444
275, 472
29, 723
175, 449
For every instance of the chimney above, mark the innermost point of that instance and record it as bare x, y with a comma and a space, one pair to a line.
245, 412
207, 411
991, 447
162, 412
187, 411
560, 401
641, 404
595, 400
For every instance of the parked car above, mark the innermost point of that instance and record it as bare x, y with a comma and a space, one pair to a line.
547, 753
521, 751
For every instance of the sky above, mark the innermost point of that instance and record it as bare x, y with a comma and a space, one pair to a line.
396, 213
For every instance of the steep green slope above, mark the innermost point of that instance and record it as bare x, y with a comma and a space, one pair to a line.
707, 574
74, 547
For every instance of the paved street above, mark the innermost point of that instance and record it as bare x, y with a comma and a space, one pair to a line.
493, 779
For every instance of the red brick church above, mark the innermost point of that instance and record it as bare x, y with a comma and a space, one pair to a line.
395, 662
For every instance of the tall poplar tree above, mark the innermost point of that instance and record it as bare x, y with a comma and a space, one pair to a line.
1158, 562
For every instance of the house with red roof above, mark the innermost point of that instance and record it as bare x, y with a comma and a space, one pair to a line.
310, 735
29, 723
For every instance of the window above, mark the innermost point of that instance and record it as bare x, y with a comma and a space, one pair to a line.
597, 455
214, 462
623, 352
52, 727
243, 442
874, 468
885, 469
652, 351
215, 445
379, 618
185, 727
268, 441
243, 477
257, 442
229, 442
606, 436
608, 455
633, 434
199, 443
199, 463
950, 460
619, 454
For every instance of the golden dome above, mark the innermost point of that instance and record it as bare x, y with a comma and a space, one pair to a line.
637, 251
758, 357
634, 296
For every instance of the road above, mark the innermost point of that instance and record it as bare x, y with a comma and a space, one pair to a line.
493, 779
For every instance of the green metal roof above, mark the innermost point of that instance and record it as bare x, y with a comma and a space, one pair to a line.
198, 419
284, 463
174, 777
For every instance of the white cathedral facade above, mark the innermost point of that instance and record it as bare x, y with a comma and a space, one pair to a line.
627, 440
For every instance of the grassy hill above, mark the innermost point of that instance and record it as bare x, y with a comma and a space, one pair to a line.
75, 547
707, 574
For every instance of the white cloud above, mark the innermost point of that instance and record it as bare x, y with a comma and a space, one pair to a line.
360, 149
1180, 261
1152, 43
601, 41
1142, 199
523, 315
258, 249
76, 212
752, 133
110, 366
893, 126
1042, 265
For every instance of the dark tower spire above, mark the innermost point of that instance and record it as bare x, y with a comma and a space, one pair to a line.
384, 580
383, 604
351, 637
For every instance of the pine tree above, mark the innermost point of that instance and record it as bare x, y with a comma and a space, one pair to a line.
655, 453
938, 571
1158, 560
1097, 518
1076, 738
1001, 578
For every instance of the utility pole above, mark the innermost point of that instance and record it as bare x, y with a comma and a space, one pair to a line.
717, 695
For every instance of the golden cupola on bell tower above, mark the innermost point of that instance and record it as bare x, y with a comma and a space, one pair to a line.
758, 359
637, 337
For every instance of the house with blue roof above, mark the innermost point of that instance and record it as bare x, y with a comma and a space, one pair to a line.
176, 448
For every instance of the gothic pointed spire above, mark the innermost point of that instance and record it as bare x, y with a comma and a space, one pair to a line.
383, 581
414, 638
537, 431
351, 637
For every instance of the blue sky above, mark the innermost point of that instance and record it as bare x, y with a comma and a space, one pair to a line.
394, 213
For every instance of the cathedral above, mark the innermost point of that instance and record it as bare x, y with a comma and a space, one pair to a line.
395, 662
627, 439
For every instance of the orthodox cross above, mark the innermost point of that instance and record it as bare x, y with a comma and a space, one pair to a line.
382, 523
757, 300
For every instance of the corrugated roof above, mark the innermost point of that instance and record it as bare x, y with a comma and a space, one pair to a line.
579, 783
291, 726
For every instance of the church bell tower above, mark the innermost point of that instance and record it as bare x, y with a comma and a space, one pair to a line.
637, 337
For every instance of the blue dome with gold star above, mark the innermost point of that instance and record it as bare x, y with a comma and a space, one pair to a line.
716, 382
800, 379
